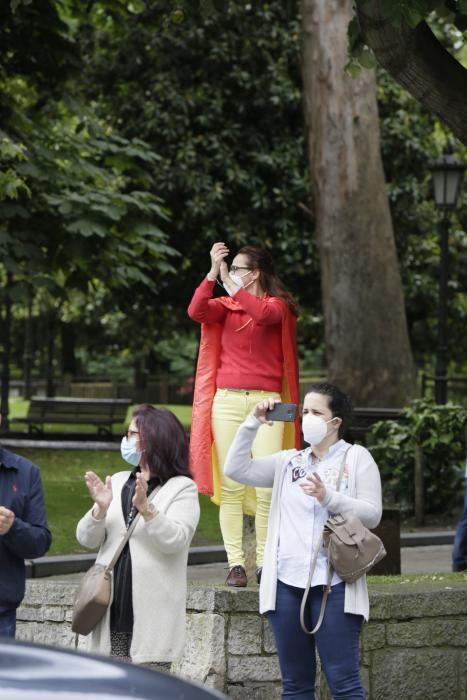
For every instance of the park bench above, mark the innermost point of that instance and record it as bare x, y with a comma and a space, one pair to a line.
364, 418
102, 413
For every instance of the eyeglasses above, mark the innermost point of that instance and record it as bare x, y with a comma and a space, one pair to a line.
236, 268
130, 433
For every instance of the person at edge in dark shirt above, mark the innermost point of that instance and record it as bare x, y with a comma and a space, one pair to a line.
24, 532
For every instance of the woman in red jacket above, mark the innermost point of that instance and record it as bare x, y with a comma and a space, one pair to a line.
247, 353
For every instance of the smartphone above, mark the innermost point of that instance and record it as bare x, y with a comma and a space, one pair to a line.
282, 411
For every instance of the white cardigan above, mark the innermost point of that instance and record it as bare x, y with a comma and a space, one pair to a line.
159, 556
363, 497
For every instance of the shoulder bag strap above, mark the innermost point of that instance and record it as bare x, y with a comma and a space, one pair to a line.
307, 590
127, 536
312, 568
341, 470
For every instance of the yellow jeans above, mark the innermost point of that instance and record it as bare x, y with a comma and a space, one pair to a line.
229, 410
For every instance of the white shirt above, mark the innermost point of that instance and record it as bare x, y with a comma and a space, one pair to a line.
303, 517
363, 497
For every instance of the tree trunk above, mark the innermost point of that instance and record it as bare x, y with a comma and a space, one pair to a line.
27, 359
367, 343
49, 379
5, 378
68, 337
419, 486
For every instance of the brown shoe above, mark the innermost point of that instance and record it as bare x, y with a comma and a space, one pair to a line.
237, 577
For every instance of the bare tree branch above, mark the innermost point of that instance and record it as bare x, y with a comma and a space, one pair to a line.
420, 63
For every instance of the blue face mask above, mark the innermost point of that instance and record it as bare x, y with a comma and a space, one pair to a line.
130, 452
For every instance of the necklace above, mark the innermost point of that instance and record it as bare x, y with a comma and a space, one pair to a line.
244, 325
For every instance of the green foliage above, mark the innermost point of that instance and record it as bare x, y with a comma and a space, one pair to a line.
216, 92
441, 433
415, 11
178, 352
82, 224
83, 219
218, 96
11, 183
134, 130
410, 139
79, 211
16, 3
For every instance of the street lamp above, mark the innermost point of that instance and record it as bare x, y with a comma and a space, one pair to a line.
447, 173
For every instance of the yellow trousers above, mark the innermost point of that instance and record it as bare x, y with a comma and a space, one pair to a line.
229, 410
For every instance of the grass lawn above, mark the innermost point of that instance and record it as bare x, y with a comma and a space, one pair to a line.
413, 579
18, 408
66, 495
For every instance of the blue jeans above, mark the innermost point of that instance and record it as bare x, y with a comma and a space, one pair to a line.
337, 642
459, 551
8, 623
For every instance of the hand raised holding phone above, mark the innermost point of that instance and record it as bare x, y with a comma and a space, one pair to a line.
271, 410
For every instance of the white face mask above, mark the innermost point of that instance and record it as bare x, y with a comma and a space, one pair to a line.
314, 428
237, 279
129, 451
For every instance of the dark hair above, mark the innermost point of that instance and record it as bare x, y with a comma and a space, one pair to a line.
163, 441
339, 403
261, 259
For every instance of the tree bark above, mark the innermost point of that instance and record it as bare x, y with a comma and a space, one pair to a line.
420, 63
27, 358
419, 486
68, 337
5, 377
367, 343
50, 374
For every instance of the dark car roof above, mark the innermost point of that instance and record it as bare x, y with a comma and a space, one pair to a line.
38, 672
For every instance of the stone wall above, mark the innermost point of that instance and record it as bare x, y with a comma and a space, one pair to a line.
414, 647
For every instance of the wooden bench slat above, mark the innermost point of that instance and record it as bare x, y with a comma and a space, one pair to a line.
66, 419
100, 412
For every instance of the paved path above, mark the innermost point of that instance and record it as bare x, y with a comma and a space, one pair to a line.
426, 560
429, 559
414, 560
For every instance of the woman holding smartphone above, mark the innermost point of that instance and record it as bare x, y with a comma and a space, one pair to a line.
247, 353
304, 493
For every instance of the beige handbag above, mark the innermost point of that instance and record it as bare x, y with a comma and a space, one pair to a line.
351, 549
92, 598
95, 590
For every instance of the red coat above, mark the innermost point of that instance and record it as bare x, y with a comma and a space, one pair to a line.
203, 459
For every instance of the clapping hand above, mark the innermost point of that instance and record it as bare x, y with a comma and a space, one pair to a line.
100, 492
219, 252
140, 499
7, 518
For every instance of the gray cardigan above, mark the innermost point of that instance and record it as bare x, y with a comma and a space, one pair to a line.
363, 497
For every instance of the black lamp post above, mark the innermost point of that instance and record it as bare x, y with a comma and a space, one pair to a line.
447, 175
